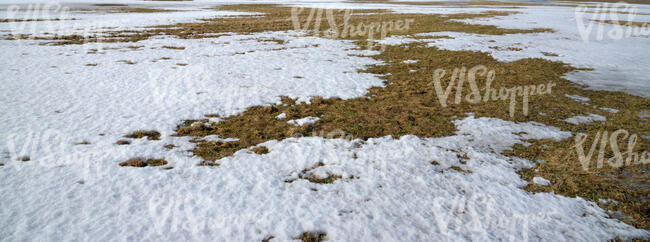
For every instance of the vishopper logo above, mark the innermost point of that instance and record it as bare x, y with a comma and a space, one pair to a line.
460, 75
23, 18
48, 148
603, 139
607, 14
476, 213
30, 20
52, 21
349, 30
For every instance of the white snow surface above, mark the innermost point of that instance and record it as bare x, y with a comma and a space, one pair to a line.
389, 190
541, 181
303, 121
585, 119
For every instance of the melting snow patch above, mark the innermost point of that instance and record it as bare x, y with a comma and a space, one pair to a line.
611, 110
541, 181
410, 61
578, 98
585, 119
303, 121
281, 116
608, 201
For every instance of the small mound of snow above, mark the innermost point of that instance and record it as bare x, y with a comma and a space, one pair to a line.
585, 119
541, 181
410, 61
303, 121
578, 98
611, 110
281, 116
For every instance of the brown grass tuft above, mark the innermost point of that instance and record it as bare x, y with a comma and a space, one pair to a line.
260, 150
140, 162
312, 237
151, 135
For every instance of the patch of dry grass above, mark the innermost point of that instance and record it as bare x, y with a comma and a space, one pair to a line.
505, 48
141, 162
173, 47
312, 237
150, 134
260, 150
123, 142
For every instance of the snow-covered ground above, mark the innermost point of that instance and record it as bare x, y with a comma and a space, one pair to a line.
390, 189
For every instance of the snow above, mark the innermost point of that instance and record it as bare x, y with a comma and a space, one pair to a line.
401, 194
578, 98
585, 119
306, 120
541, 181
608, 201
410, 61
281, 116
611, 110
389, 189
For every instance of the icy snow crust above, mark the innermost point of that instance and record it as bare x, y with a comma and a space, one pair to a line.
390, 189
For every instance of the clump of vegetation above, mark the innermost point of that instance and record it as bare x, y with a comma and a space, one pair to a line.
260, 150
141, 162
312, 237
135, 162
459, 169
151, 135
123, 142
173, 47
24, 158
208, 163
505, 48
